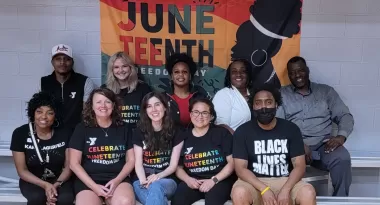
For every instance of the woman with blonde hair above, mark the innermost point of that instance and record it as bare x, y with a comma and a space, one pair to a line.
122, 79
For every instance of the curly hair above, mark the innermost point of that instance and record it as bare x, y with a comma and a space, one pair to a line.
166, 135
88, 113
181, 57
248, 71
44, 98
270, 88
208, 103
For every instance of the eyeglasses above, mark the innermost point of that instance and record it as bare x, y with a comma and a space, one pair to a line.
196, 113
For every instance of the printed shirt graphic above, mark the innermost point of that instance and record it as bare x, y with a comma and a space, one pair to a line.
268, 152
53, 148
204, 157
103, 157
130, 110
158, 160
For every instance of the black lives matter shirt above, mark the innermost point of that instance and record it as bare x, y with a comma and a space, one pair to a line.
268, 152
157, 160
53, 149
130, 109
102, 157
204, 157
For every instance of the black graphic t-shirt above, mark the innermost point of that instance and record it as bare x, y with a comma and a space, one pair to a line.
204, 157
157, 160
52, 151
103, 157
130, 110
268, 152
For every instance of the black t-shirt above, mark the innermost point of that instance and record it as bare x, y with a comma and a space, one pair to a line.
268, 152
102, 157
157, 160
130, 110
52, 151
204, 157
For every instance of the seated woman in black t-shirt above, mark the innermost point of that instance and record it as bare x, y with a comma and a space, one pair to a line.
39, 152
206, 168
157, 149
101, 153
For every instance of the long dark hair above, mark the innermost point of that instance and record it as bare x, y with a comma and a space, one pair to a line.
166, 135
88, 113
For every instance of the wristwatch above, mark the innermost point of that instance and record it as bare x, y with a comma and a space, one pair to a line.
216, 180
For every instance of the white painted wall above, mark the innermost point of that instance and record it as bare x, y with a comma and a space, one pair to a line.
340, 40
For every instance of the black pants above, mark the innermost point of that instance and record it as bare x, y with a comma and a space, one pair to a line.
218, 195
36, 195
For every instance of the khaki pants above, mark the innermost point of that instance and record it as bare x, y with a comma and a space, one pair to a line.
275, 185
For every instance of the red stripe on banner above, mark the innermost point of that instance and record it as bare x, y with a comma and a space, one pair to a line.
238, 10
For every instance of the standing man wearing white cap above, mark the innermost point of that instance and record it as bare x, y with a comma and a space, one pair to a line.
70, 87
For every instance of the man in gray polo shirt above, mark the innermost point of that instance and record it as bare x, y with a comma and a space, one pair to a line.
314, 108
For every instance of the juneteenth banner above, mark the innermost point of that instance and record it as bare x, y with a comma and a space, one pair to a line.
265, 32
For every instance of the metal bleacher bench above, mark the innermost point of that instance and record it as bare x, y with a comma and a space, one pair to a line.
359, 159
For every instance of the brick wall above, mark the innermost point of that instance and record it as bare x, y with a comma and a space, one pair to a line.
28, 31
340, 40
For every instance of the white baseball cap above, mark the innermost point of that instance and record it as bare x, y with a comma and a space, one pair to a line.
62, 49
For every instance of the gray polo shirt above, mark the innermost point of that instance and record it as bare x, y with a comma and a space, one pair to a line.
315, 112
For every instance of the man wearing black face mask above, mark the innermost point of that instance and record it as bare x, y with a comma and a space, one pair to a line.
269, 156
314, 108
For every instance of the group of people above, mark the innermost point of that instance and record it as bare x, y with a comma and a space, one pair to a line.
123, 142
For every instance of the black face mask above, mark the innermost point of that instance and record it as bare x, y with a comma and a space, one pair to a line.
265, 115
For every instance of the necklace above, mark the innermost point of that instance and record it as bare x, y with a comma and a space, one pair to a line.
105, 132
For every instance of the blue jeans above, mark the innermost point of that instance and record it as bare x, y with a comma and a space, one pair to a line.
157, 193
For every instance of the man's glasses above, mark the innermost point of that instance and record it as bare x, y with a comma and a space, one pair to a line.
196, 113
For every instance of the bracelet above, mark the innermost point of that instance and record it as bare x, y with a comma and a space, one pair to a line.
59, 183
265, 190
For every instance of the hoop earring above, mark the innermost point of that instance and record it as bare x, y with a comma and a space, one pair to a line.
57, 123
266, 57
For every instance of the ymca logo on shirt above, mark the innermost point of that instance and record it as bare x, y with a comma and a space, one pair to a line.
92, 141
188, 150
271, 157
72, 95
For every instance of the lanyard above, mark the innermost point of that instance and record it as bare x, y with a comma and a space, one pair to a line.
36, 145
